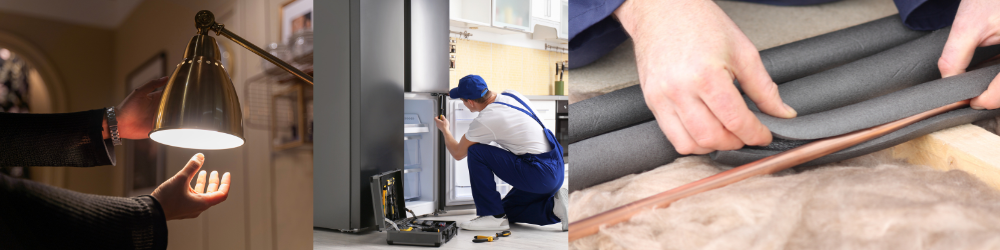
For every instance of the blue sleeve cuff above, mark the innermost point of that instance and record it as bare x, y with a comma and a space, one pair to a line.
927, 14
596, 41
586, 13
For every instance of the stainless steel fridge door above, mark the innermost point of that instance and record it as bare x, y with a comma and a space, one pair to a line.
427, 46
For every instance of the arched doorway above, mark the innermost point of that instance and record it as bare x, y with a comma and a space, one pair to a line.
38, 89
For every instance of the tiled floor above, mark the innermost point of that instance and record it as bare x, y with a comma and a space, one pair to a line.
523, 236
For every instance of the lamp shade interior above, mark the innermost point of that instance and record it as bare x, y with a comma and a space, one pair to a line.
196, 139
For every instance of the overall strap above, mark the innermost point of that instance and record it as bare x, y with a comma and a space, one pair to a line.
522, 104
523, 111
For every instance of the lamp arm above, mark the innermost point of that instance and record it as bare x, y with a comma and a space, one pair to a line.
221, 30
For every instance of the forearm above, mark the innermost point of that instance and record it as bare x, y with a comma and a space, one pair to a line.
37, 216
68, 139
451, 143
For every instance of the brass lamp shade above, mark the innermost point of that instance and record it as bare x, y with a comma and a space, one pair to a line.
199, 108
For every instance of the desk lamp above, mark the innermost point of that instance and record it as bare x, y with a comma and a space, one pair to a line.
199, 108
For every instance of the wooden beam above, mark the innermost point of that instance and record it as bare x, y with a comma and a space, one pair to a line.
966, 147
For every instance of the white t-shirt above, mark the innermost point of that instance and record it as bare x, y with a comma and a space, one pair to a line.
512, 129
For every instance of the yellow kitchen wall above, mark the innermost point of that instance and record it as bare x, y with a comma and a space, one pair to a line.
525, 70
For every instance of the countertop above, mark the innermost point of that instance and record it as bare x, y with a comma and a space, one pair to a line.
547, 97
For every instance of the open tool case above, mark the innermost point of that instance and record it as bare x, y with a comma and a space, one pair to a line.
390, 215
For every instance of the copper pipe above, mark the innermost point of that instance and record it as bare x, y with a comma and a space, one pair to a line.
768, 165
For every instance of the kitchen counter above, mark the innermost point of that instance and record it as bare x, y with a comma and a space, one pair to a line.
547, 97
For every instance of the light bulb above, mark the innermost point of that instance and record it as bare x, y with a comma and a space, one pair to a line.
196, 139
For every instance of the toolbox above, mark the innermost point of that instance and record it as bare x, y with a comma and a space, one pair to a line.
391, 215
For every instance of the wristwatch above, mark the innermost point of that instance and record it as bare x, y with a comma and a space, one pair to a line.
113, 126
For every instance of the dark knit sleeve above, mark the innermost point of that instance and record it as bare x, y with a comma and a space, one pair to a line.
69, 139
38, 216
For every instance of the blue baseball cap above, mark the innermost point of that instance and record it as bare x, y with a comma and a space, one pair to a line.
469, 87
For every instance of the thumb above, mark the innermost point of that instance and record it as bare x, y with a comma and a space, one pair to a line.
192, 167
957, 52
757, 84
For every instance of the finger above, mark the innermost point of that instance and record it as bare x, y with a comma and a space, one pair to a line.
666, 119
155, 95
214, 198
757, 84
957, 52
704, 128
200, 186
192, 167
224, 187
989, 99
728, 106
154, 84
213, 182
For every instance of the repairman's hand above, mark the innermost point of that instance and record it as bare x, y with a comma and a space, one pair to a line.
442, 123
977, 24
688, 53
137, 112
179, 201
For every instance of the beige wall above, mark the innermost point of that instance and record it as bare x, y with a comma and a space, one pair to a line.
81, 57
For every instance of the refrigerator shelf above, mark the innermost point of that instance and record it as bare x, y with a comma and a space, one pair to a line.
415, 128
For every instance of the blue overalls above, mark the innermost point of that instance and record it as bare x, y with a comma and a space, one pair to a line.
535, 178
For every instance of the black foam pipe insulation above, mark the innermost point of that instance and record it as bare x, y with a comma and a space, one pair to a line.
626, 107
939, 122
643, 147
903, 103
824, 99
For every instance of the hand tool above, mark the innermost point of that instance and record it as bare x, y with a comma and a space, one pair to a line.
482, 238
503, 234
775, 163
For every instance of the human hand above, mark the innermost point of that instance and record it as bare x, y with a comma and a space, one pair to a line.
179, 201
442, 123
688, 53
977, 24
137, 112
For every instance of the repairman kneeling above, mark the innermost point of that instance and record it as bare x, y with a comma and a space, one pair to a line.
529, 158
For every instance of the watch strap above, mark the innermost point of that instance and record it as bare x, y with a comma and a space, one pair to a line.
113, 126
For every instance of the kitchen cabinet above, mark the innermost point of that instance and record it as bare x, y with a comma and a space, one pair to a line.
512, 15
474, 12
505, 16
563, 20
548, 10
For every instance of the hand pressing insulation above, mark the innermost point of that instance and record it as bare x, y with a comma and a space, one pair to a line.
179, 201
688, 53
977, 24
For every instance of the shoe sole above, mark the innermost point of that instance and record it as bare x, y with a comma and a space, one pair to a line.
562, 195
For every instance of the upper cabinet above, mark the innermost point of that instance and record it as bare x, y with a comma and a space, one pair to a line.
546, 10
512, 14
549, 17
474, 12
564, 20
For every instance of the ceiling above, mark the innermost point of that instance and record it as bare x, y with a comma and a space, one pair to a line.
99, 13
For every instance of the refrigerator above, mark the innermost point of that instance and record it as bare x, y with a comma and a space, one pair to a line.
435, 180
357, 107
